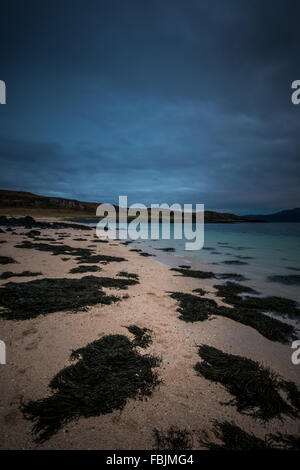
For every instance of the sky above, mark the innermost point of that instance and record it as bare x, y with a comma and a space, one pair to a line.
165, 101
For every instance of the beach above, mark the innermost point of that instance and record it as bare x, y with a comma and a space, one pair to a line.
38, 348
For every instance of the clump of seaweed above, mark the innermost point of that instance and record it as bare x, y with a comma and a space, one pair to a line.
290, 279
40, 297
234, 261
145, 254
193, 308
200, 291
255, 388
108, 372
55, 249
103, 259
167, 250
8, 274
233, 276
85, 269
173, 439
6, 260
193, 273
128, 275
142, 336
232, 437
83, 255
230, 293
184, 266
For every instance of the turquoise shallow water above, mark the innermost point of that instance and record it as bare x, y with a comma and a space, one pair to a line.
266, 249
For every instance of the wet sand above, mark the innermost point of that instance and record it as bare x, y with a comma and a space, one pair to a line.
39, 348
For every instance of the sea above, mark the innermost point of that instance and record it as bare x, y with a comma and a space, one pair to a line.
257, 251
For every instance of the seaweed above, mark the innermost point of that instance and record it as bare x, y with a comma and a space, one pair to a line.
128, 275
83, 255
145, 254
103, 259
25, 300
6, 260
235, 438
255, 388
193, 273
290, 279
29, 222
200, 291
233, 276
230, 293
142, 336
184, 266
167, 250
194, 308
55, 249
234, 261
8, 274
85, 269
173, 439
108, 372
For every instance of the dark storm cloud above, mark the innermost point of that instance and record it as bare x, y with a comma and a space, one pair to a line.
163, 101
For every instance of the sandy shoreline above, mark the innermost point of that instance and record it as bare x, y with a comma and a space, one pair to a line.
38, 348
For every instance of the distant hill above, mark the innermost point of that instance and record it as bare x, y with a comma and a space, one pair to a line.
291, 215
20, 203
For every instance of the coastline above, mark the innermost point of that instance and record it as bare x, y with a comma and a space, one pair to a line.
38, 348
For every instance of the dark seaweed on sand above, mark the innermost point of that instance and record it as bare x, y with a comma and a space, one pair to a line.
6, 260
108, 372
230, 293
200, 291
233, 437
8, 274
193, 273
103, 259
83, 255
40, 297
85, 269
142, 336
255, 388
194, 308
173, 439
54, 249
128, 275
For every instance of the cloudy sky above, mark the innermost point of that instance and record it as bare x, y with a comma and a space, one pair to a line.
185, 101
